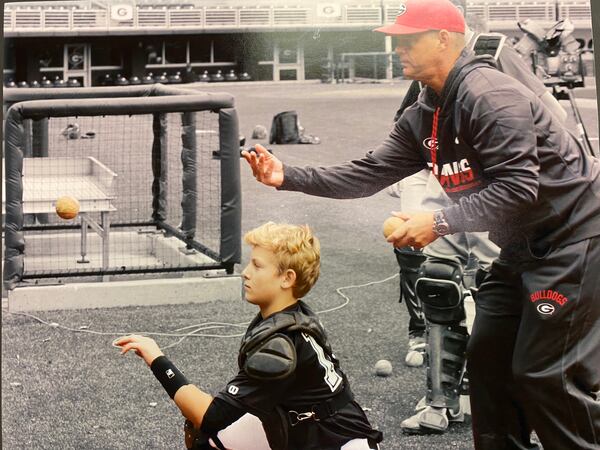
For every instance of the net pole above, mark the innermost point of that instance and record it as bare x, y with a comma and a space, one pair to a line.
28, 148
40, 138
28, 219
159, 167
189, 178
14, 250
39, 143
231, 194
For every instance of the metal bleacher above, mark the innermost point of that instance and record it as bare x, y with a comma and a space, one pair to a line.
97, 17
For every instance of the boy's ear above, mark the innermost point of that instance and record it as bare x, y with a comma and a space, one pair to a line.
289, 279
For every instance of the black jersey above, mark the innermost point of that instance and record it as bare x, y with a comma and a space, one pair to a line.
316, 378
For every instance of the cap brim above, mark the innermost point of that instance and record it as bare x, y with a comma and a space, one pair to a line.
395, 29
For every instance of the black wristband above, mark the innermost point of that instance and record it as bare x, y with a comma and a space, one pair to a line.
169, 376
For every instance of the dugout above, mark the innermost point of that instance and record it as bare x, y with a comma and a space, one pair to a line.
293, 55
167, 204
95, 42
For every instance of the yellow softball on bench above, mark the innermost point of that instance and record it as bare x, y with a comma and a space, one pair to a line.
67, 207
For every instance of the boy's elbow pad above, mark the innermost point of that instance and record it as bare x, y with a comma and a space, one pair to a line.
274, 359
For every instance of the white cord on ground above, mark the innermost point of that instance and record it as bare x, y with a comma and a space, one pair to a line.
197, 328
200, 327
338, 290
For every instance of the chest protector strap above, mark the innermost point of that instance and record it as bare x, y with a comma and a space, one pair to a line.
488, 44
267, 353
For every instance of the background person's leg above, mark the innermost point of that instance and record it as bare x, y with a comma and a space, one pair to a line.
410, 191
440, 291
446, 341
409, 261
483, 249
557, 354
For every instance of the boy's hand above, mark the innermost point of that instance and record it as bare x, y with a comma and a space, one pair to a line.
143, 346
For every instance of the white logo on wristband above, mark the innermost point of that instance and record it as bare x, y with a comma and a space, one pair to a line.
170, 373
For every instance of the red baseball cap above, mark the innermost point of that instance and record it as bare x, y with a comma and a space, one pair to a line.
417, 16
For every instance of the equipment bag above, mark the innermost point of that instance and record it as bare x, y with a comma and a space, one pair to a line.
285, 128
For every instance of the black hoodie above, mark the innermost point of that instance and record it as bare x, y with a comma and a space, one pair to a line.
509, 165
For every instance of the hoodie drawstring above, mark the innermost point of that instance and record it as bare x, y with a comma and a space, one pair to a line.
434, 143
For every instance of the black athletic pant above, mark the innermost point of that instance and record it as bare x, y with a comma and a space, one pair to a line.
534, 353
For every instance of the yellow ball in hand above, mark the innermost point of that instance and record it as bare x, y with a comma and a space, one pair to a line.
391, 224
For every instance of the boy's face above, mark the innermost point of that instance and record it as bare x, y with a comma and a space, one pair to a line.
262, 281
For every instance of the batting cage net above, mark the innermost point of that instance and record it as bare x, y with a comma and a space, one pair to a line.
103, 186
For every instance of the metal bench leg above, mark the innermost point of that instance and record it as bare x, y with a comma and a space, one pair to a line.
105, 220
84, 227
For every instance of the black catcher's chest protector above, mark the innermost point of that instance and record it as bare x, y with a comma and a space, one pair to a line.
267, 353
309, 406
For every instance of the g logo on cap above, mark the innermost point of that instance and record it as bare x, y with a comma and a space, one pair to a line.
401, 9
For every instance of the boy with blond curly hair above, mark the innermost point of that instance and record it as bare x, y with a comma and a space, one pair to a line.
289, 393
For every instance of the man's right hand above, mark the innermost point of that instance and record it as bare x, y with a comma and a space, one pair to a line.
266, 168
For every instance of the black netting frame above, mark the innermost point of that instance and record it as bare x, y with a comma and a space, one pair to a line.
170, 156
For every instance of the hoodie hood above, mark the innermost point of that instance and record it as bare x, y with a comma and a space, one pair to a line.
466, 62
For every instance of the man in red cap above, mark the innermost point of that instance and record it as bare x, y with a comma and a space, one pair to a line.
512, 169
443, 333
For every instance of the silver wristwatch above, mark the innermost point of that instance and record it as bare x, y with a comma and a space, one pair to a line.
440, 224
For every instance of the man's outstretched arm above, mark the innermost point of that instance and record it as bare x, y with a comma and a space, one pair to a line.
397, 157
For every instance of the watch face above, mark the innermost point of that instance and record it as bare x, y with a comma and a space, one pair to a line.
442, 228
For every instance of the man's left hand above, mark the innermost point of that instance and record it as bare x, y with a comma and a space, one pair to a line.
416, 231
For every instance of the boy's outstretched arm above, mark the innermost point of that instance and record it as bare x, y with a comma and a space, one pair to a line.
191, 401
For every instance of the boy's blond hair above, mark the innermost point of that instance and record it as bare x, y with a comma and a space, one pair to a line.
294, 247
